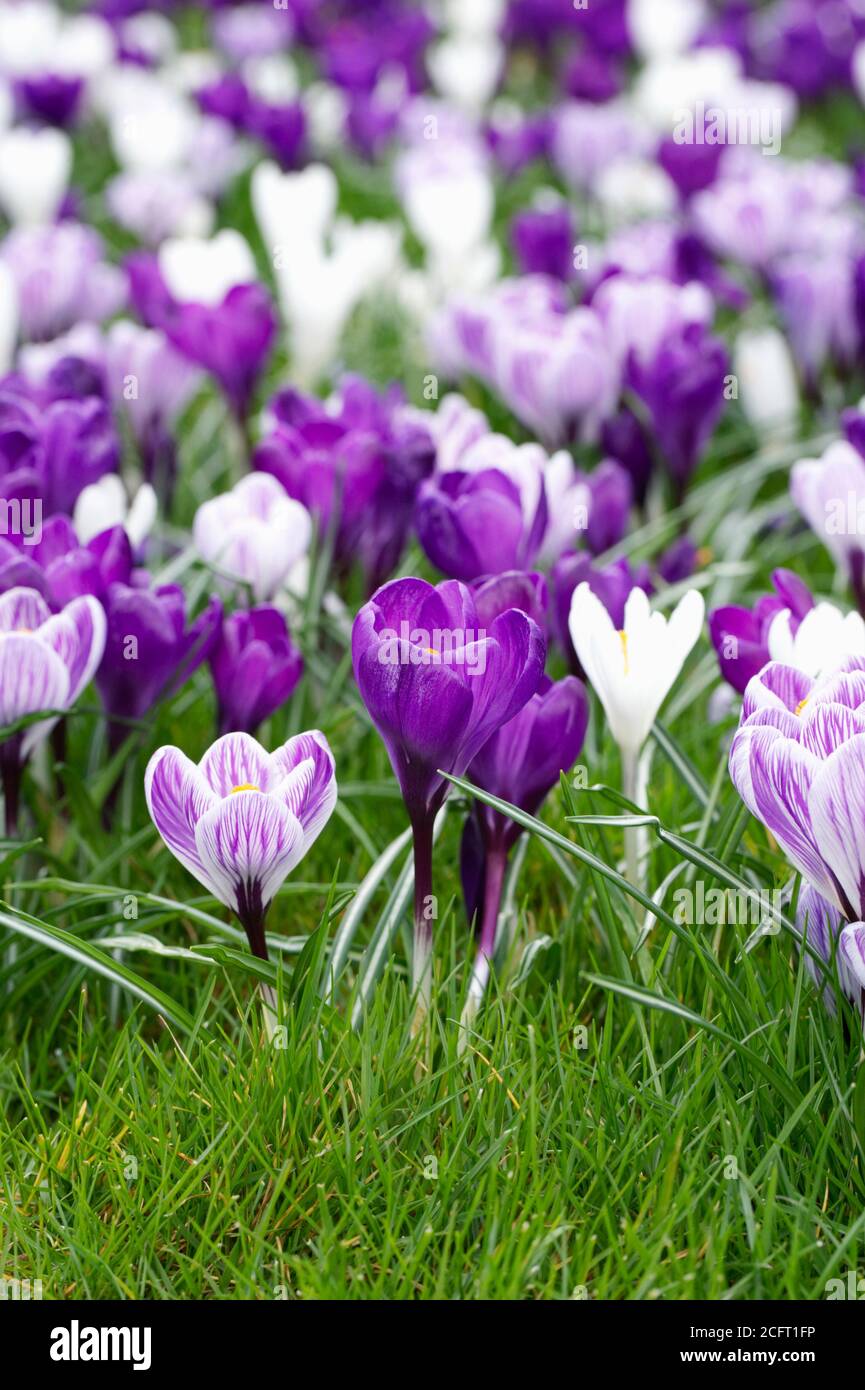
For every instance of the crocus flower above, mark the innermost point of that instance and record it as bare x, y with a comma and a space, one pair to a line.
34, 174
632, 670
45, 662
51, 450
255, 668
254, 533
437, 686
740, 635
520, 763
471, 524
204, 296
611, 583
829, 493
149, 650
798, 762
355, 462
103, 505
61, 278
768, 390
543, 241
241, 819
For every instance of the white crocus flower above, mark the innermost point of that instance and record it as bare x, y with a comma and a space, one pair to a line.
323, 268
104, 504
768, 390
661, 27
34, 173
254, 533
633, 671
821, 642
202, 272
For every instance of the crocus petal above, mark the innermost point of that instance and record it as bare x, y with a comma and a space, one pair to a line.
837, 809
782, 775
309, 786
248, 843
78, 636
22, 610
177, 797
851, 953
236, 760
32, 678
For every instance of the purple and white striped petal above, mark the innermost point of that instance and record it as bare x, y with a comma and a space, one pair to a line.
177, 797
77, 635
851, 961
248, 844
782, 774
778, 686
32, 678
22, 610
769, 719
234, 762
825, 726
837, 810
309, 786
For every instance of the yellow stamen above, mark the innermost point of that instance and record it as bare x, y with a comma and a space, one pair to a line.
801, 705
623, 636
244, 787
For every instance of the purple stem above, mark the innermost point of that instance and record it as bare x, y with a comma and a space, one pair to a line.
496, 864
11, 769
252, 916
422, 839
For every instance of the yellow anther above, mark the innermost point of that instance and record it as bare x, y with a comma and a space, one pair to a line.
244, 787
623, 637
801, 705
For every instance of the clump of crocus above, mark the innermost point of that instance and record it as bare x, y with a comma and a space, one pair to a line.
438, 684
786, 626
254, 533
798, 762
632, 670
45, 662
255, 668
241, 819
521, 764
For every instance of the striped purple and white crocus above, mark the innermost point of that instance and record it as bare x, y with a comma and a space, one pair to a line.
241, 819
45, 662
798, 762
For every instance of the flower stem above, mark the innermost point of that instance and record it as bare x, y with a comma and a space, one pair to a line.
496, 864
252, 918
10, 772
421, 965
634, 792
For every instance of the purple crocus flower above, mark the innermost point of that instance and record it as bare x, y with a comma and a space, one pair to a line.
543, 241
51, 98
740, 636
520, 763
255, 668
437, 685
355, 464
471, 524
798, 762
829, 493
242, 818
495, 594
46, 660
682, 387
149, 651
51, 449
232, 339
